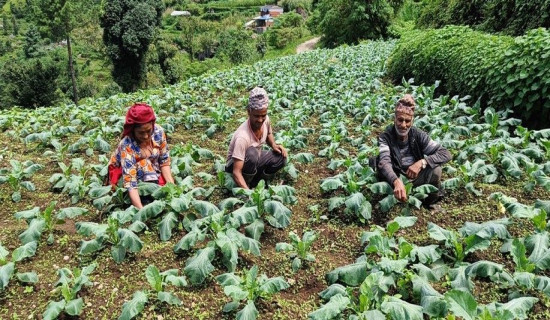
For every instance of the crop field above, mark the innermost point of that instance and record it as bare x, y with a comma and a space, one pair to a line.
324, 240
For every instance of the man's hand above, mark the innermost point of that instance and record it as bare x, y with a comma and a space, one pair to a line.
280, 149
414, 169
399, 190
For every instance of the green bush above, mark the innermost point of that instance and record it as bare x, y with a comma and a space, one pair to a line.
500, 70
513, 17
237, 46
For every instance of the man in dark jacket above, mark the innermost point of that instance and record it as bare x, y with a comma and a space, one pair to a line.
411, 152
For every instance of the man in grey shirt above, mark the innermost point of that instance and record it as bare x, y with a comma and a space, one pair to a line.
245, 158
411, 152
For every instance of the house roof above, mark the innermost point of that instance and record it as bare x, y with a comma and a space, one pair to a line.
271, 7
180, 13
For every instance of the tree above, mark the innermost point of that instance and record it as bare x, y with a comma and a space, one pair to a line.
237, 45
29, 83
128, 30
15, 26
5, 24
59, 18
31, 47
349, 21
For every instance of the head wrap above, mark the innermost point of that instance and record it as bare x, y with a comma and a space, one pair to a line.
258, 99
139, 113
405, 105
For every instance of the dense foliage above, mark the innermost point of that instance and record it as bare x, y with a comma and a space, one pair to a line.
349, 21
513, 17
129, 28
501, 71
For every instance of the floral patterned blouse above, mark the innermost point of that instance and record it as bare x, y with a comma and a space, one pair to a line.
135, 165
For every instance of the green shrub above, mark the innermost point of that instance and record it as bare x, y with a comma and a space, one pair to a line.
502, 71
513, 17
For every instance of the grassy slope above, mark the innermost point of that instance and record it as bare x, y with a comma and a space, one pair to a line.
314, 83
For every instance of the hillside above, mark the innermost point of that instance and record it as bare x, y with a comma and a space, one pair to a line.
327, 107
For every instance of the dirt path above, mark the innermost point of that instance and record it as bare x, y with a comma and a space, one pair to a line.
308, 45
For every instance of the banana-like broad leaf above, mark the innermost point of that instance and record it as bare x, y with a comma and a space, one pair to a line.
189, 240
205, 208
333, 290
538, 245
118, 253
330, 184
74, 307
154, 278
27, 214
176, 281
34, 231
71, 212
249, 312
25, 251
518, 307
335, 202
304, 157
460, 279
53, 310
280, 215
199, 266
524, 279
398, 309
388, 202
273, 285
91, 228
487, 230
255, 229
352, 274
228, 279
6, 272
3, 253
430, 274
168, 222
462, 304
432, 302
235, 292
451, 184
229, 203
438, 233
426, 254
248, 244
132, 308
542, 283
129, 240
229, 247
483, 269
90, 246
518, 253
169, 298
245, 215
149, 211
337, 304
381, 188
98, 192
27, 277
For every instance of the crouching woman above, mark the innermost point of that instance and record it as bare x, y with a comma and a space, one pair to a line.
142, 154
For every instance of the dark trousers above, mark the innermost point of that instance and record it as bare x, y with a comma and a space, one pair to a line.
427, 175
258, 165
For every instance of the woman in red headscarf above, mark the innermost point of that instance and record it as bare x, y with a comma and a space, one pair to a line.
142, 154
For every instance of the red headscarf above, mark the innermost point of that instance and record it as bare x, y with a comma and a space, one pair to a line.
139, 113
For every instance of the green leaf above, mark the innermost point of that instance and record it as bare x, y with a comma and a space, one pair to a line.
205, 208
235, 292
90, 246
53, 310
27, 214
25, 251
118, 253
129, 240
6, 272
381, 188
333, 290
27, 277
3, 253
518, 307
335, 202
245, 215
483, 268
228, 279
230, 306
255, 229
520, 259
337, 304
168, 222
132, 308
398, 309
280, 215
249, 312
176, 281
169, 298
352, 274
462, 304
405, 222
74, 307
387, 203
90, 228
71, 212
426, 254
330, 184
199, 266
274, 285
154, 278
98, 192
149, 211
34, 231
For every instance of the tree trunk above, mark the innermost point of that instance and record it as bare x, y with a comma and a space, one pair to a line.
71, 70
